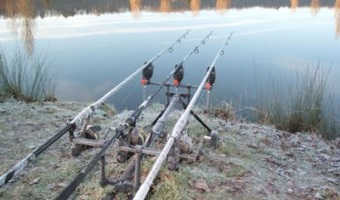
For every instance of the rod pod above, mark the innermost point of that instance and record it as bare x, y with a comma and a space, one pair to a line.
177, 130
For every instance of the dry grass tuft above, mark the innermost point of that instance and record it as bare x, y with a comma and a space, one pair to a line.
26, 78
306, 108
224, 111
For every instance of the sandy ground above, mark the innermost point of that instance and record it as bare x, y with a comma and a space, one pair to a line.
252, 161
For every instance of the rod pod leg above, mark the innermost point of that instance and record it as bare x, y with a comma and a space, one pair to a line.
196, 116
103, 179
208, 101
137, 173
214, 139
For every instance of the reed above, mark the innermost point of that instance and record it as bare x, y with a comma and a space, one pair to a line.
305, 107
26, 78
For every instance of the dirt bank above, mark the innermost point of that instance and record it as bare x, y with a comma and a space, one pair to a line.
252, 161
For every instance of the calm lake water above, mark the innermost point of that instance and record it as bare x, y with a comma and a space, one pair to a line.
93, 45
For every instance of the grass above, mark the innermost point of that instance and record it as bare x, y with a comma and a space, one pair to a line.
306, 107
3, 126
234, 170
229, 148
232, 149
26, 78
224, 111
168, 185
168, 188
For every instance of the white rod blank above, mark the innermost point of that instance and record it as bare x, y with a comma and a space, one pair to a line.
159, 126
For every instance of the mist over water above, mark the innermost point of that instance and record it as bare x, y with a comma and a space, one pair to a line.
93, 45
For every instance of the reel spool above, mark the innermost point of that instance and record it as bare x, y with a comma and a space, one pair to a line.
135, 137
89, 133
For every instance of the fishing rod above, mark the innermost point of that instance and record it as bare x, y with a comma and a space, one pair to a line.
89, 110
84, 114
65, 194
179, 126
177, 72
119, 132
159, 123
157, 128
130, 122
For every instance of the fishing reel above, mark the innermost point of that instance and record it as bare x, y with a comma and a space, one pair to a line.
147, 74
133, 138
83, 142
179, 74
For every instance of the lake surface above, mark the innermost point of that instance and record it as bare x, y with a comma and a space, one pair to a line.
93, 45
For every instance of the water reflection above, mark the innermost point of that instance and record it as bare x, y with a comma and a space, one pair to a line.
105, 38
135, 7
165, 6
294, 4
222, 5
21, 13
315, 6
337, 18
46, 4
70, 8
195, 6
